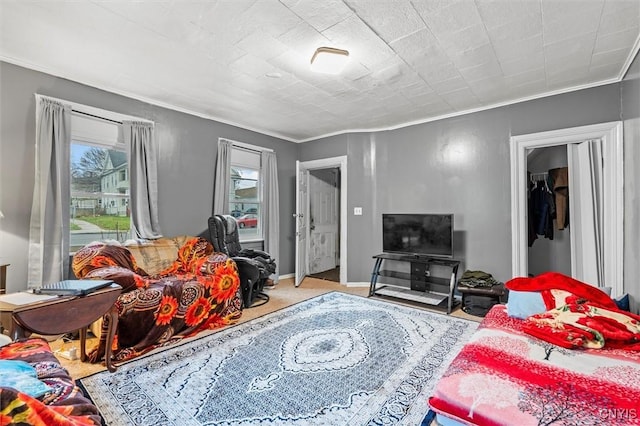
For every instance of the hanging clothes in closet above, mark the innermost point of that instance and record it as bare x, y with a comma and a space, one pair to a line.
559, 179
542, 207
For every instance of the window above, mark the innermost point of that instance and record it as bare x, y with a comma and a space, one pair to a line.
245, 192
99, 183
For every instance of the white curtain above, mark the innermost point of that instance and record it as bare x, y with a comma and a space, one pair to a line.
586, 193
49, 227
271, 208
222, 178
143, 174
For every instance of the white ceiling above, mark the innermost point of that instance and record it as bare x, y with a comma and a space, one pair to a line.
246, 62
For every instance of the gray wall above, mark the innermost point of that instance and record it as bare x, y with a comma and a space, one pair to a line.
630, 100
458, 165
187, 155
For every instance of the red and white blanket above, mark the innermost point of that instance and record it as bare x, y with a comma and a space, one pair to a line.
578, 315
575, 364
504, 376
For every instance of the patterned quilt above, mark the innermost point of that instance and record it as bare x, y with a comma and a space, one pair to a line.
504, 376
199, 290
62, 405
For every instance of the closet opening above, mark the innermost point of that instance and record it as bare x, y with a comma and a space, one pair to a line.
595, 174
549, 227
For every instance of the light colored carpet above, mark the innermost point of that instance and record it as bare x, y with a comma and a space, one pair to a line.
335, 359
283, 295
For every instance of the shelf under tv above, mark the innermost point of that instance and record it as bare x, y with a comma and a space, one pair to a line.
420, 283
428, 297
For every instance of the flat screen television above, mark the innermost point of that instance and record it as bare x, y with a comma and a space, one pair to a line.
429, 235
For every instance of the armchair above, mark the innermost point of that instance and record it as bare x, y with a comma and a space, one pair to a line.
254, 266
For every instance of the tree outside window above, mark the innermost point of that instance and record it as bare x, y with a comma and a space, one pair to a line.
99, 194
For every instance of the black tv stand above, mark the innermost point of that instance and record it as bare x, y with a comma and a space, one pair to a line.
424, 286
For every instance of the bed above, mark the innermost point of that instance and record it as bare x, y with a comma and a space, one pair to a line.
538, 370
36, 390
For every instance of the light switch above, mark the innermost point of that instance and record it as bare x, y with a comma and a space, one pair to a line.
357, 211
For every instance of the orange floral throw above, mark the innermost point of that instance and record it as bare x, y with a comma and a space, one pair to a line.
63, 405
200, 290
578, 315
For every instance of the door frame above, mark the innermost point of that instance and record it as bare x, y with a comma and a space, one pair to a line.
332, 163
612, 138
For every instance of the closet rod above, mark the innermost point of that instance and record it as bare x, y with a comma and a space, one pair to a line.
541, 174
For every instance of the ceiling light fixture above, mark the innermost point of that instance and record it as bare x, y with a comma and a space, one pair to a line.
329, 60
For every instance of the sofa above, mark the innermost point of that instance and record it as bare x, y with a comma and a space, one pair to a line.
171, 288
35, 389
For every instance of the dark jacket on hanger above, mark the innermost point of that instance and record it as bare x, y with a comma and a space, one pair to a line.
542, 211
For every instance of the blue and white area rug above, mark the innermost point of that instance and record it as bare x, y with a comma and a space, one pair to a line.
336, 359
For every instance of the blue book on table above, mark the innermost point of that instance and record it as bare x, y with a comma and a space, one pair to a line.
72, 287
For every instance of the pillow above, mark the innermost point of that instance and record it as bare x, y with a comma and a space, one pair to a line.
22, 377
622, 302
523, 304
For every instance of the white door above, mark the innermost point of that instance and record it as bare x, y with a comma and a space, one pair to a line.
301, 215
323, 219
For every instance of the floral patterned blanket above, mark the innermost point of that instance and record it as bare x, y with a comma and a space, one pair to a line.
578, 314
200, 290
504, 376
63, 405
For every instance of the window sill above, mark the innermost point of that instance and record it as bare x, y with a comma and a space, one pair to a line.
256, 240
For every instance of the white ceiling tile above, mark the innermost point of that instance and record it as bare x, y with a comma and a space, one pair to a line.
562, 20
496, 13
489, 69
613, 41
490, 90
456, 16
437, 72
509, 49
304, 39
320, 15
215, 55
390, 20
272, 17
261, 45
414, 48
527, 89
465, 39
609, 57
529, 75
570, 49
461, 99
604, 72
516, 30
619, 15
523, 63
450, 85
362, 43
472, 57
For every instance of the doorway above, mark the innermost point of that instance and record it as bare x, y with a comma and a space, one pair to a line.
549, 235
321, 219
324, 223
609, 136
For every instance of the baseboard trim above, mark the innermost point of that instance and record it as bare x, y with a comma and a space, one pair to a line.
358, 284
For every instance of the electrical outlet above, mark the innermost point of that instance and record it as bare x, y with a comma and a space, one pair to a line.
357, 211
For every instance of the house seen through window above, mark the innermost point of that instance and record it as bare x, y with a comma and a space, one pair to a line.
99, 184
245, 193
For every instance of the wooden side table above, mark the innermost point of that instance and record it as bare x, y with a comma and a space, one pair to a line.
67, 314
3, 276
